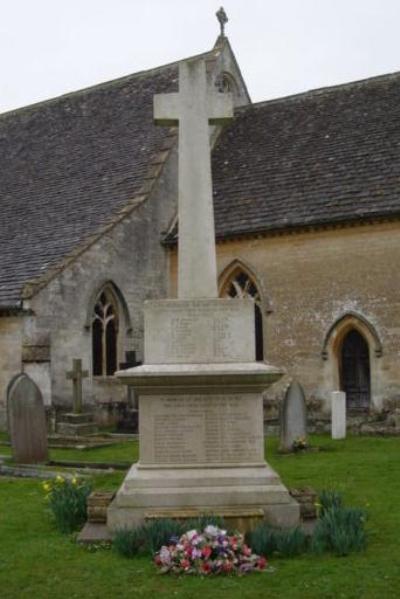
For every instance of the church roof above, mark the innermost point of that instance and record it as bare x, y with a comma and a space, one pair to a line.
67, 165
70, 165
326, 156
322, 157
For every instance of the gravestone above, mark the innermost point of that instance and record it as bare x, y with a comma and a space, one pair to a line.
293, 417
77, 423
26, 421
338, 414
201, 438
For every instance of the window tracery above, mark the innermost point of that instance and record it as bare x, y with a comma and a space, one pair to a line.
105, 324
240, 285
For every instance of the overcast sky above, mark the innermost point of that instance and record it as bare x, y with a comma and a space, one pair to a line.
50, 47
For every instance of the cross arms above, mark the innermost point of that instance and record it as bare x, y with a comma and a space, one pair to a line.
168, 108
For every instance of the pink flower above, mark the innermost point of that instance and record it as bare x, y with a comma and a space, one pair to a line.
206, 551
261, 563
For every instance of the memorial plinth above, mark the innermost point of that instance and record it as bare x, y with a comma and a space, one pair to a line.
201, 439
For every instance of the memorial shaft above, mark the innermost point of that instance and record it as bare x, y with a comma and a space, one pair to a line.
194, 108
197, 272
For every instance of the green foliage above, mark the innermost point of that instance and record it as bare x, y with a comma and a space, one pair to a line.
130, 542
159, 533
329, 499
291, 542
340, 530
148, 538
67, 502
266, 540
262, 540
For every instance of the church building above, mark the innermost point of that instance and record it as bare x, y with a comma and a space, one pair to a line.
307, 215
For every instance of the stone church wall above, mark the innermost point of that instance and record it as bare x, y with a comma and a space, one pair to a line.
132, 257
10, 358
309, 280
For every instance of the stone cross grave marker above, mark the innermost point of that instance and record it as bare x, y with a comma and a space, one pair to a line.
293, 420
194, 108
26, 421
338, 415
77, 375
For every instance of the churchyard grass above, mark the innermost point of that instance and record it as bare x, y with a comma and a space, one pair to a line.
37, 561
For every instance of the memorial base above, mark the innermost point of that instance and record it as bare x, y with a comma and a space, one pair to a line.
202, 447
77, 425
243, 496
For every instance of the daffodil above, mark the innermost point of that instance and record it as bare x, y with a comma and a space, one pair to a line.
59, 479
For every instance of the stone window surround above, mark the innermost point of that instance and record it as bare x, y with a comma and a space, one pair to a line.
332, 347
125, 323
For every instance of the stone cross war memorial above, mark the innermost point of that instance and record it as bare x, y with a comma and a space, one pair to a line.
200, 387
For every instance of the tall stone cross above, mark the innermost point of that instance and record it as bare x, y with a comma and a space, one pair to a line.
194, 108
77, 375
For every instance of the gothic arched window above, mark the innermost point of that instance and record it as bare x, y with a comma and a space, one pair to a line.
105, 323
241, 285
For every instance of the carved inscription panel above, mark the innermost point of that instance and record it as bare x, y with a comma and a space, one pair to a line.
201, 331
217, 429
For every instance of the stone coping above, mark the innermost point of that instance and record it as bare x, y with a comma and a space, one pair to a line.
252, 375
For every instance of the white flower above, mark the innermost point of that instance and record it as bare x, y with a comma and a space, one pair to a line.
191, 534
214, 531
165, 555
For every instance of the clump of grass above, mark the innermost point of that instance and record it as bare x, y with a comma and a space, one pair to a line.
267, 540
67, 502
148, 538
129, 542
160, 532
329, 499
291, 542
262, 540
340, 530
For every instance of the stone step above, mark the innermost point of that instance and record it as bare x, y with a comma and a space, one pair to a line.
76, 430
141, 476
210, 496
84, 418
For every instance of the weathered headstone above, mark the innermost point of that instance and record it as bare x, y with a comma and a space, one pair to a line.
293, 418
338, 411
27, 421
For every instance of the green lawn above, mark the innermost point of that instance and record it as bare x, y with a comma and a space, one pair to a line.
37, 562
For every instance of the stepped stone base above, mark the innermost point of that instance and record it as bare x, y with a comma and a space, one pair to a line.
76, 425
242, 494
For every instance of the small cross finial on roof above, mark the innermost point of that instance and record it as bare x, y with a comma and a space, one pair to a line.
223, 19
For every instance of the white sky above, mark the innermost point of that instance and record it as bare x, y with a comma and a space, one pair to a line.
50, 47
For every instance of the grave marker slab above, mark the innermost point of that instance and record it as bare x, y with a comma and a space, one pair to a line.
338, 411
27, 421
293, 418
